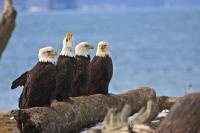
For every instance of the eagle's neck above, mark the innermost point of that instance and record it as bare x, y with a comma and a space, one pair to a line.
101, 53
67, 49
46, 59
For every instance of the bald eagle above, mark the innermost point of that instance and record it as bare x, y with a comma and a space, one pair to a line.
39, 82
65, 69
101, 70
82, 68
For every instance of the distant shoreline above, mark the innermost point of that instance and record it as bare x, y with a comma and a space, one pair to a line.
180, 8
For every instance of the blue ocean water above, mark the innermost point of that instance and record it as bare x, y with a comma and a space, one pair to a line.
156, 48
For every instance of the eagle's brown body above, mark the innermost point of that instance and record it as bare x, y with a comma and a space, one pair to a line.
82, 75
39, 85
65, 74
101, 69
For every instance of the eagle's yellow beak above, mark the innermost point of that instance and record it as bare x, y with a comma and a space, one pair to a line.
104, 46
69, 36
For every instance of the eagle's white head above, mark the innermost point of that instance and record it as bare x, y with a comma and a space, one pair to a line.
47, 54
67, 49
102, 49
82, 49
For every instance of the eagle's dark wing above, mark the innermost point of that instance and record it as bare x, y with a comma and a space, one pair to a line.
109, 69
21, 81
65, 72
105, 75
94, 60
42, 86
77, 78
95, 69
81, 75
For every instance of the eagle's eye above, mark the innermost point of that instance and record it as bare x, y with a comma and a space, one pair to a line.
86, 45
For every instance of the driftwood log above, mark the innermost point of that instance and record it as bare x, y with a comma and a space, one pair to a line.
7, 24
184, 116
80, 112
116, 119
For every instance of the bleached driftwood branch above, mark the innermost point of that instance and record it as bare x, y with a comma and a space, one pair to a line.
116, 120
7, 24
183, 117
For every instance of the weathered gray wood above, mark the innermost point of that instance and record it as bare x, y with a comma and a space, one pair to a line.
184, 116
79, 112
7, 24
116, 120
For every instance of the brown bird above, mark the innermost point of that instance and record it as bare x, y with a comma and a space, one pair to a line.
101, 70
39, 82
65, 69
82, 68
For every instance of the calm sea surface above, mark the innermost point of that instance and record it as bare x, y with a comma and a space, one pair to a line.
156, 48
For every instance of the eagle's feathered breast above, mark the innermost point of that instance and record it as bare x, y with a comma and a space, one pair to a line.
39, 87
101, 73
82, 75
65, 74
